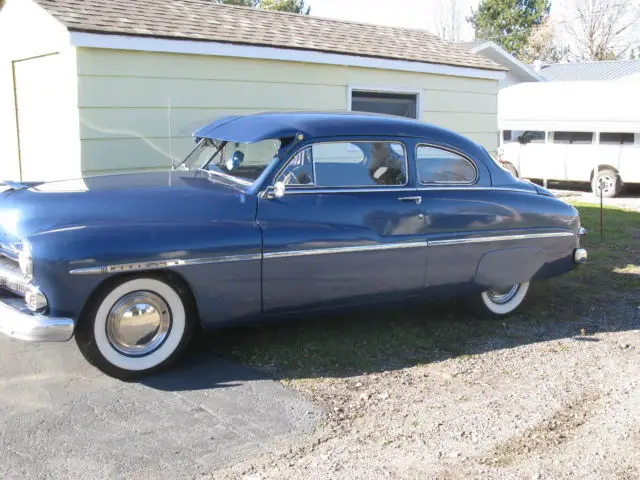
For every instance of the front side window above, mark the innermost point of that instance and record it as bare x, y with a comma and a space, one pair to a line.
347, 164
243, 162
441, 166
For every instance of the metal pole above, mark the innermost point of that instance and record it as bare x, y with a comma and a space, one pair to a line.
601, 209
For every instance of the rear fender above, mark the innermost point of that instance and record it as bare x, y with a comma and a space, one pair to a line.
504, 267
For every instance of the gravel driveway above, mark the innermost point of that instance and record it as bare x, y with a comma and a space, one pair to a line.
542, 401
629, 199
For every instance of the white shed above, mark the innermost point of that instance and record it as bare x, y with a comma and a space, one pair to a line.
100, 86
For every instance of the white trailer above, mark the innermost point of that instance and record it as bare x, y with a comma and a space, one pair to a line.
572, 131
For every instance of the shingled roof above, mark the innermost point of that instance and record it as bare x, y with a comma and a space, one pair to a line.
204, 20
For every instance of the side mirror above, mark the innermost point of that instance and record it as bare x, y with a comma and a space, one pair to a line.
279, 189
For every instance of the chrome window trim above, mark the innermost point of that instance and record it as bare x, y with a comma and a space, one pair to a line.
394, 189
450, 150
359, 187
154, 265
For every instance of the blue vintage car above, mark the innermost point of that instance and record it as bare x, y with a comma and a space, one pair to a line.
272, 214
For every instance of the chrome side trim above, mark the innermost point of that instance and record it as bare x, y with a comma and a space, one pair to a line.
355, 248
154, 265
498, 238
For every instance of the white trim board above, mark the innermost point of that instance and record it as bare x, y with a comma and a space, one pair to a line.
151, 44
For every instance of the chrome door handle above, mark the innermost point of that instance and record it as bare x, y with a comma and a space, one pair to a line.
418, 200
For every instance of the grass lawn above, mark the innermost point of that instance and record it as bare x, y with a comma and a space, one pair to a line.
393, 338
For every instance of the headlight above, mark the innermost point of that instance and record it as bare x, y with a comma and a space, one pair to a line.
25, 259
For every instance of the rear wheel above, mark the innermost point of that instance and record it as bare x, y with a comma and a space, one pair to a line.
135, 327
499, 302
608, 181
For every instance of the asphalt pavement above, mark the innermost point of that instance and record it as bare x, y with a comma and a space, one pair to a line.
61, 418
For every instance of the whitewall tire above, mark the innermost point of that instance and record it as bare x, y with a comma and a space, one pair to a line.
136, 326
499, 302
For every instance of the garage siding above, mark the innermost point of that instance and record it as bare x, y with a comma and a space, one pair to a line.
124, 98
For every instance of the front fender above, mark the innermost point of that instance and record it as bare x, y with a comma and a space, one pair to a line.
81, 249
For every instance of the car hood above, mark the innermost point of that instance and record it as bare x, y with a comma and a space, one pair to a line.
120, 200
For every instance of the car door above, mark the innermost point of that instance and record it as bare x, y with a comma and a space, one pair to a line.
456, 203
349, 228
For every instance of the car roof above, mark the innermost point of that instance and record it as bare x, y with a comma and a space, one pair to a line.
275, 125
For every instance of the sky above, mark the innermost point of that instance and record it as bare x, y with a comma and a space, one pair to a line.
398, 13
421, 14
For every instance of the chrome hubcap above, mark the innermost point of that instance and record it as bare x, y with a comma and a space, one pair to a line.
138, 323
502, 296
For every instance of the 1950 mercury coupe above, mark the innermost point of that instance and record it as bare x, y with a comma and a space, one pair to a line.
270, 214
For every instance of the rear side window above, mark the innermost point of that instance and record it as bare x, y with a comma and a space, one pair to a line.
347, 164
441, 166
575, 138
616, 138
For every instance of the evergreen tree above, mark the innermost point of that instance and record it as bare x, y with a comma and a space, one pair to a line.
508, 23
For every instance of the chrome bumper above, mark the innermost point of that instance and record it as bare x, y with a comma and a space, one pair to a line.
17, 321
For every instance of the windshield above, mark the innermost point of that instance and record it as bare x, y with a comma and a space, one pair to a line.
243, 162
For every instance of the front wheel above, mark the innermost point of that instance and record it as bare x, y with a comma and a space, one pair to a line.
135, 327
499, 302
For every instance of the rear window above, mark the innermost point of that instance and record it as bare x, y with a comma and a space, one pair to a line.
441, 166
616, 138
575, 138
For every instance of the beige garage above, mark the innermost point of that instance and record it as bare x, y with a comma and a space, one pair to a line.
98, 86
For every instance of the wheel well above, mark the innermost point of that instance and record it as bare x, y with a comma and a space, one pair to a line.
602, 167
173, 278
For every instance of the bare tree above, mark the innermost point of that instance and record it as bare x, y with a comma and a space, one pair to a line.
449, 21
603, 29
543, 44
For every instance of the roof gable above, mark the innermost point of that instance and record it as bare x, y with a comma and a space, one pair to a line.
504, 58
207, 21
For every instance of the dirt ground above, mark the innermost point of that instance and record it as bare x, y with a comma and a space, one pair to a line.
427, 392
563, 408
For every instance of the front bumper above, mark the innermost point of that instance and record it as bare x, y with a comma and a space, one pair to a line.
17, 321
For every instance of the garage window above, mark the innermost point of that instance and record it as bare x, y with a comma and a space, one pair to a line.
390, 103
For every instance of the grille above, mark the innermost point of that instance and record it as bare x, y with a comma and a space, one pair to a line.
11, 277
